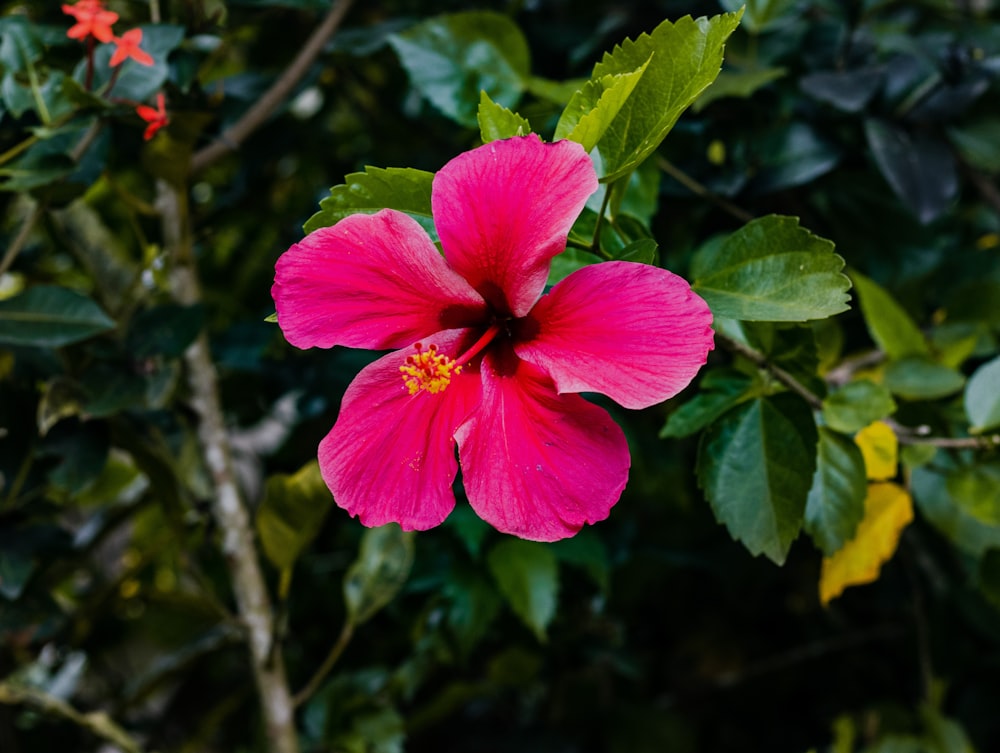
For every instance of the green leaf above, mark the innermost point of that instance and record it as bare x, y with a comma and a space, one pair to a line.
568, 262
291, 514
593, 108
720, 390
683, 57
19, 43
982, 397
836, 501
164, 330
761, 14
402, 188
474, 605
528, 576
756, 466
49, 316
772, 269
497, 122
790, 155
737, 84
921, 379
136, 82
452, 58
976, 489
969, 534
856, 404
587, 551
890, 326
379, 572
979, 143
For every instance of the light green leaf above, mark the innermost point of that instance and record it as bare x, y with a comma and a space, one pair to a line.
982, 397
857, 404
291, 514
684, 57
976, 489
49, 316
592, 108
720, 390
402, 188
497, 122
737, 84
528, 576
890, 326
921, 379
756, 466
452, 58
568, 262
772, 269
379, 572
836, 501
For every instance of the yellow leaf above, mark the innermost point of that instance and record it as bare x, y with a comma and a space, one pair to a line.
888, 509
880, 449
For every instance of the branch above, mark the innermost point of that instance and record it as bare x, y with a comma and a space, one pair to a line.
96, 722
235, 135
700, 190
331, 658
905, 434
252, 599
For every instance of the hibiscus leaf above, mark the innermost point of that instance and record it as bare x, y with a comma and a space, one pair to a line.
452, 58
836, 501
497, 122
976, 489
376, 576
528, 577
683, 58
49, 316
918, 378
890, 326
982, 396
720, 390
291, 514
857, 404
756, 466
772, 269
593, 107
402, 188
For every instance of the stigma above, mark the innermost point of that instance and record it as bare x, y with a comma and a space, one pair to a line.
428, 370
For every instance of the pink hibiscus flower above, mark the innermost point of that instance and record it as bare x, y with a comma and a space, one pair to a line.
484, 360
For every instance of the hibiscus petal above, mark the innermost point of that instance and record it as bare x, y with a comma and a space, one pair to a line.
390, 457
633, 332
504, 210
536, 464
370, 281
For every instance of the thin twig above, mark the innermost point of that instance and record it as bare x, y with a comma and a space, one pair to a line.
905, 434
96, 722
331, 658
21, 238
701, 190
252, 600
235, 135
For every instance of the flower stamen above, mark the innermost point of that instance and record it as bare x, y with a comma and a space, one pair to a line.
428, 370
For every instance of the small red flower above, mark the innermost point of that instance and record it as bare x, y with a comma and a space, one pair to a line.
156, 118
127, 46
92, 20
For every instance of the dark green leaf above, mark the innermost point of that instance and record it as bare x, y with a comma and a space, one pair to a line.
587, 551
849, 91
737, 84
761, 15
976, 489
379, 572
135, 82
989, 576
919, 169
19, 43
720, 390
403, 189
48, 316
756, 466
469, 527
642, 251
979, 143
34, 170
497, 122
592, 109
982, 397
474, 605
291, 514
528, 576
452, 58
890, 326
921, 379
967, 533
789, 156
772, 269
684, 57
856, 404
836, 502
82, 453
164, 330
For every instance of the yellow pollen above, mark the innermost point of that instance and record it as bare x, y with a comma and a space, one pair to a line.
428, 370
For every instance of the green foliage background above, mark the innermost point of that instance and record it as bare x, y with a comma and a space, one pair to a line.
874, 122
